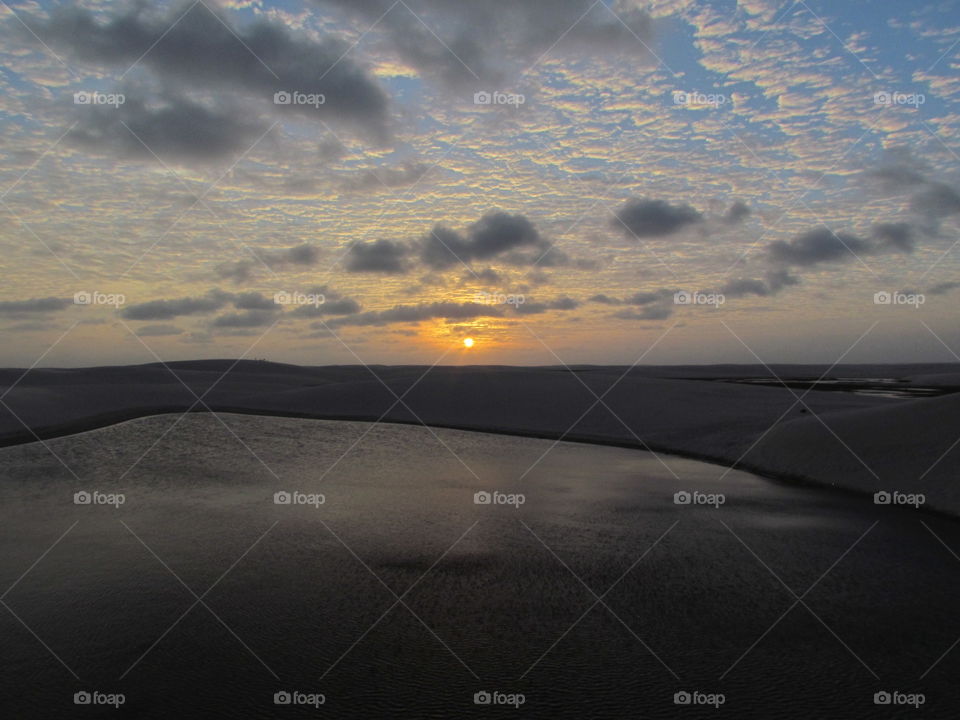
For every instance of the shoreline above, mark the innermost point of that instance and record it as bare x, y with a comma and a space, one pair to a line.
105, 420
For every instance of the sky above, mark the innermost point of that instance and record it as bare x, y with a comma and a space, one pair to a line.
561, 181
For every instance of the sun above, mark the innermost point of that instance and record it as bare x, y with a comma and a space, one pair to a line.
468, 343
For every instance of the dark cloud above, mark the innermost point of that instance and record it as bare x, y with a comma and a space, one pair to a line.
488, 41
897, 237
736, 213
774, 282
167, 309
304, 255
818, 245
418, 313
379, 256
493, 234
653, 218
535, 308
246, 319
253, 301
158, 330
936, 199
943, 288
653, 312
202, 49
822, 245
34, 305
605, 300
174, 128
487, 275
343, 306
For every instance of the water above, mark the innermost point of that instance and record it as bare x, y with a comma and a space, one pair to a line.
494, 597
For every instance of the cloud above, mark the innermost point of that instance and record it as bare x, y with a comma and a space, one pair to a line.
470, 43
172, 127
304, 255
379, 256
535, 308
605, 300
418, 313
385, 178
774, 282
818, 245
736, 213
246, 319
158, 330
167, 309
653, 218
936, 199
654, 312
34, 305
897, 237
943, 288
822, 245
196, 47
493, 234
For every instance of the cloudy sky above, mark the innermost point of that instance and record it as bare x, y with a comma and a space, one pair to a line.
342, 181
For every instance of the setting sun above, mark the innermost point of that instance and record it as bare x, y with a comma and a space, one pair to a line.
468, 342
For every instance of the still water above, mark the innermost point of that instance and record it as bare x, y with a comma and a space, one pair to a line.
391, 589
